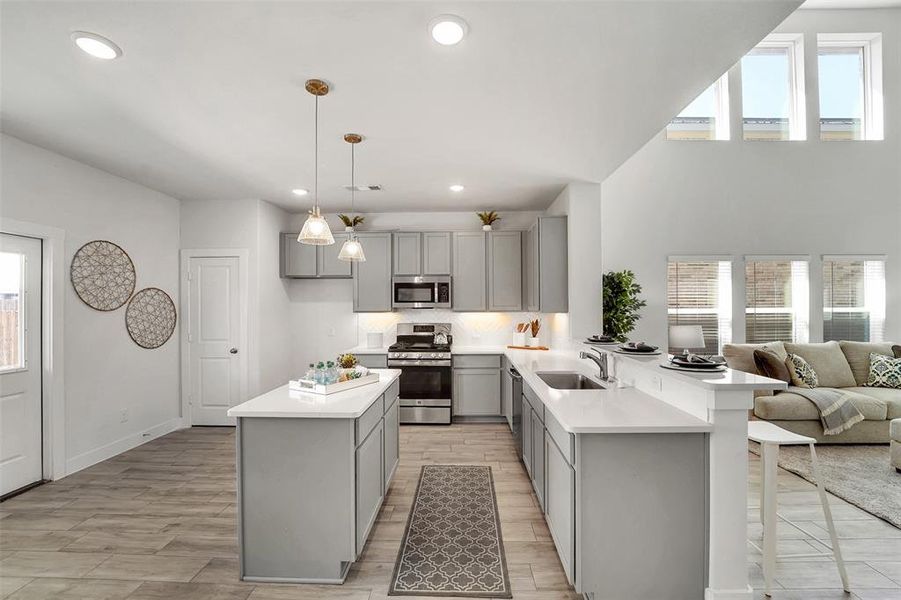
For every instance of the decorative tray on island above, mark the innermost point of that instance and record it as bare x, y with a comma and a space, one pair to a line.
312, 387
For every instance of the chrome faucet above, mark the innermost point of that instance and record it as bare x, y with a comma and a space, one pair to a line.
600, 360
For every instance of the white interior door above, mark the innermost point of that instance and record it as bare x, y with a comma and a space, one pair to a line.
21, 442
214, 339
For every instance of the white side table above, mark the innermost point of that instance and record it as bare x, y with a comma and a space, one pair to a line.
771, 437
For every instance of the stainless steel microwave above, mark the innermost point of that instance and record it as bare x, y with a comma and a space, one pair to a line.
421, 291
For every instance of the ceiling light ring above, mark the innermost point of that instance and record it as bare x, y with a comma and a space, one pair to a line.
100, 42
453, 30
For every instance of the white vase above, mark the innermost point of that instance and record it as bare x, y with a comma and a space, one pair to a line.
519, 339
534, 342
348, 228
486, 227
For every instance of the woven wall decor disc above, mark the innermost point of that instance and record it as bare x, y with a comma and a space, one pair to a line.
150, 318
103, 275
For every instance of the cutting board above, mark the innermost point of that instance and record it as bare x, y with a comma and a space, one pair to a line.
528, 347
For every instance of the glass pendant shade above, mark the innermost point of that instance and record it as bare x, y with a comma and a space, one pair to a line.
316, 231
352, 250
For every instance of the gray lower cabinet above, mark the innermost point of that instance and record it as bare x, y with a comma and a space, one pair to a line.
560, 504
436, 253
372, 278
477, 392
470, 281
303, 261
504, 270
526, 435
373, 361
545, 266
507, 395
370, 484
538, 465
392, 440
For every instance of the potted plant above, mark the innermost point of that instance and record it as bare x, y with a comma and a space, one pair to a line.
621, 304
348, 364
488, 218
534, 328
351, 222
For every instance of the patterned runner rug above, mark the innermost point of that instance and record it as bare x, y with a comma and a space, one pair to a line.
452, 545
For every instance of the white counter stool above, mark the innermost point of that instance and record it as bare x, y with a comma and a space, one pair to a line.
771, 437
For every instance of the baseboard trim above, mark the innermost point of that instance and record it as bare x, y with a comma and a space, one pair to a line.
735, 594
92, 457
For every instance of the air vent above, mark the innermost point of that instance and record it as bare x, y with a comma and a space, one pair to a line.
364, 188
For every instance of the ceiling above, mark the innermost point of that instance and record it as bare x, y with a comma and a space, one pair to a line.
207, 101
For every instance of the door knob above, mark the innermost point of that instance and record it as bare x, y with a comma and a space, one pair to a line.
232, 350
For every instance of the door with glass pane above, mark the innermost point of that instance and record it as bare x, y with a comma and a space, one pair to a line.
20, 362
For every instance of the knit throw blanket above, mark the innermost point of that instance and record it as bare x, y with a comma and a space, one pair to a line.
836, 411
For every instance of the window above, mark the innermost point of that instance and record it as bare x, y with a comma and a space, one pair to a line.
699, 292
772, 94
777, 300
850, 79
853, 298
12, 336
706, 118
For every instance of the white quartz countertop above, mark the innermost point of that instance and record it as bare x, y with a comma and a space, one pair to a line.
367, 350
286, 403
611, 410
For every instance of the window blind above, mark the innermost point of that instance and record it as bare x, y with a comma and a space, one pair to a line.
777, 301
853, 299
700, 293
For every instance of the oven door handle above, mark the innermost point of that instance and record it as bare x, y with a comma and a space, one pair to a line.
419, 363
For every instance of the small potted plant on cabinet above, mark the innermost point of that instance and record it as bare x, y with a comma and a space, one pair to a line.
351, 222
488, 218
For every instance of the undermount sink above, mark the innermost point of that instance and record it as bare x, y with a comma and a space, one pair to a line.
568, 380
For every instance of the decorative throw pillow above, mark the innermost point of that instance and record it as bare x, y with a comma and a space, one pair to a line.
896, 350
802, 374
885, 372
770, 365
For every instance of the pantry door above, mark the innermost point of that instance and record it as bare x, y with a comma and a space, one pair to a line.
21, 431
217, 361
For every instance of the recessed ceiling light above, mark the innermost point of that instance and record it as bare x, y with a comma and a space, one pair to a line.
448, 30
300, 192
456, 188
96, 45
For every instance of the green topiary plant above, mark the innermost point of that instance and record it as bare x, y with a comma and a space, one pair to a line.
621, 304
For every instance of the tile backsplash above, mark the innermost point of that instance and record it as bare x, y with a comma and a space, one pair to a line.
476, 328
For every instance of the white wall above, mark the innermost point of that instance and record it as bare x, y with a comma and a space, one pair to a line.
252, 225
581, 202
105, 371
739, 198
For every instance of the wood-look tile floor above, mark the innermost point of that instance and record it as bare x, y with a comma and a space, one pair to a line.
158, 522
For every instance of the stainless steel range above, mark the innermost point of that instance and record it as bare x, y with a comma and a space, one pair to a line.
423, 354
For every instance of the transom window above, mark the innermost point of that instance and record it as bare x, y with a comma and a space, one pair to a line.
850, 80
853, 298
706, 118
699, 292
772, 76
777, 300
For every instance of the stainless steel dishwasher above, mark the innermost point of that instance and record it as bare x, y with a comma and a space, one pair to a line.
517, 408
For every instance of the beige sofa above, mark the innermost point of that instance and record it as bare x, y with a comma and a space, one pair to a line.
842, 365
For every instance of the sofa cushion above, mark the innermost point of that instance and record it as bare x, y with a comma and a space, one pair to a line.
885, 372
802, 374
828, 361
769, 364
892, 398
788, 406
895, 430
858, 356
741, 356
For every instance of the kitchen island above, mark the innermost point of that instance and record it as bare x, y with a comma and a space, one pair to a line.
312, 474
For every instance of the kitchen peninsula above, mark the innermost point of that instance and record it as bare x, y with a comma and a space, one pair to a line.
312, 474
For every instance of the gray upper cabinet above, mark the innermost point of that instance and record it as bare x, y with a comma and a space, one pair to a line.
298, 260
504, 270
372, 278
328, 263
470, 281
407, 254
302, 261
436, 253
545, 266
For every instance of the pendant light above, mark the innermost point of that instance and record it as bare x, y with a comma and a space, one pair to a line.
352, 250
315, 230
